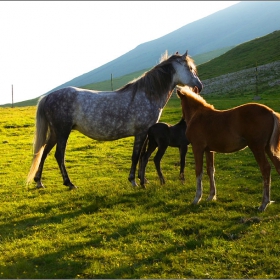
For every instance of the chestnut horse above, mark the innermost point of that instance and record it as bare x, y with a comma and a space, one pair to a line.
107, 116
225, 131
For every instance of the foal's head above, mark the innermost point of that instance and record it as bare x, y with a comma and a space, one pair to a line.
192, 94
191, 102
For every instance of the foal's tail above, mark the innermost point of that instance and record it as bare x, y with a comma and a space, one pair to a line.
274, 142
144, 147
40, 136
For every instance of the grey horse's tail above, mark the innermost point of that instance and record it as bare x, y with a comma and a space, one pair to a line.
40, 137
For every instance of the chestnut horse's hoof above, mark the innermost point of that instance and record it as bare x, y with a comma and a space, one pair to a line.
263, 206
212, 198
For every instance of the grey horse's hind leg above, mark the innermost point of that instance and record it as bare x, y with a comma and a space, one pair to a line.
49, 145
60, 158
137, 147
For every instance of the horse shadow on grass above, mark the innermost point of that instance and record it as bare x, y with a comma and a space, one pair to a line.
69, 261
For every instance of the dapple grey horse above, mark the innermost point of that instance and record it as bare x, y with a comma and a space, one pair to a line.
105, 116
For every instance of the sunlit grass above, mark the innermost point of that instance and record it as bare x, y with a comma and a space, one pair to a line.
107, 229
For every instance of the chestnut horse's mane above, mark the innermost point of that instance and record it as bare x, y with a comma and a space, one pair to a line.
195, 96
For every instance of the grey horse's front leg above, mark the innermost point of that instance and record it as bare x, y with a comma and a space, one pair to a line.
137, 147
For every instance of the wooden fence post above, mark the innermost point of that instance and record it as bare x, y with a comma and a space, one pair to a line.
12, 96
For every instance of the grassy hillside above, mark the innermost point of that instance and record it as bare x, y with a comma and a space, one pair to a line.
212, 64
259, 51
121, 81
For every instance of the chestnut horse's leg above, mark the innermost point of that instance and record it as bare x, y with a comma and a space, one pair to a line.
198, 157
211, 172
183, 151
137, 147
265, 169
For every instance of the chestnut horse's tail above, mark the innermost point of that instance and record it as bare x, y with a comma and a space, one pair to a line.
274, 142
40, 136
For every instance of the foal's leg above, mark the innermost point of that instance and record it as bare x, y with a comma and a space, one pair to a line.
151, 147
198, 157
137, 146
49, 145
265, 170
142, 152
183, 151
161, 150
60, 158
211, 172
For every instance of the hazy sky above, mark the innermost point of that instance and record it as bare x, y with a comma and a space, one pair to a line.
44, 44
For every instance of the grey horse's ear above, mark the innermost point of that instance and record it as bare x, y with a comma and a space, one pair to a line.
185, 55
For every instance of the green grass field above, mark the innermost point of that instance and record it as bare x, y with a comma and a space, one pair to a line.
107, 229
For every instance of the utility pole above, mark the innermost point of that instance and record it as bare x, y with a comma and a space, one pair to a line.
111, 81
256, 78
12, 96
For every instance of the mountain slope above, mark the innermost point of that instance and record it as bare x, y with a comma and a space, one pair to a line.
234, 71
260, 51
263, 50
231, 26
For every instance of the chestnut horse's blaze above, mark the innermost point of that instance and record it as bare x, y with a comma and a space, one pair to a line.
209, 130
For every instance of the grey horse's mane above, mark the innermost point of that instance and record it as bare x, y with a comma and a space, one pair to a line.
156, 81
